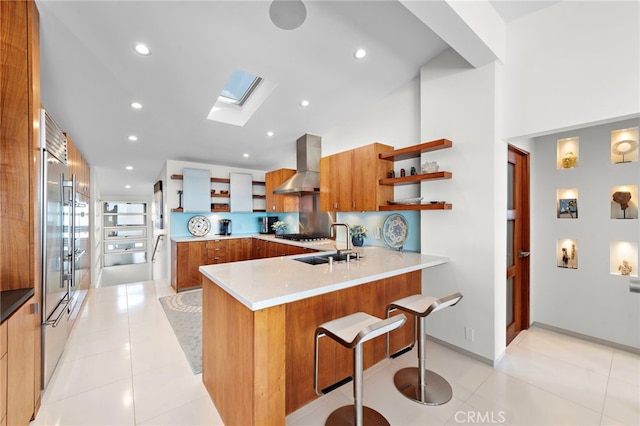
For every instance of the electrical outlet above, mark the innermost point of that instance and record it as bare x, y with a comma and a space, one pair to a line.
377, 233
469, 333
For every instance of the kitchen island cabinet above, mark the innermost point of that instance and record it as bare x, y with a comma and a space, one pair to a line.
266, 312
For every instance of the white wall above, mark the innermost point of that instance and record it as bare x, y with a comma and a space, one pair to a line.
571, 64
588, 300
459, 102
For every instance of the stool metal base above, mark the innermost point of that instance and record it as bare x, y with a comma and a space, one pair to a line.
436, 390
346, 416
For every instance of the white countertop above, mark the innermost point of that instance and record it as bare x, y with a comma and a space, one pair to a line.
326, 245
263, 283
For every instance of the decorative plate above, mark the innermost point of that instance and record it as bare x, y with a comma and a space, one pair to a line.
199, 226
395, 230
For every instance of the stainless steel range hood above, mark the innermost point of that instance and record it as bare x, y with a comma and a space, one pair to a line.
307, 178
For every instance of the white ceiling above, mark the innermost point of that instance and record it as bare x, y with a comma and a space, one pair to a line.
90, 74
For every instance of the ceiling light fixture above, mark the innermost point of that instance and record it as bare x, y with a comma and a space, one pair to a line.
269, 134
287, 14
360, 53
142, 49
245, 155
304, 103
136, 105
132, 138
128, 186
129, 168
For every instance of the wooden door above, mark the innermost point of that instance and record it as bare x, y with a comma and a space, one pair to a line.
517, 279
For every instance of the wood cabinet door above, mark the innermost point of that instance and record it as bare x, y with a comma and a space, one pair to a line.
367, 194
335, 182
258, 248
239, 249
21, 343
189, 257
15, 127
275, 202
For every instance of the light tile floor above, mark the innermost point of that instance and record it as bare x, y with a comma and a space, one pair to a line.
123, 366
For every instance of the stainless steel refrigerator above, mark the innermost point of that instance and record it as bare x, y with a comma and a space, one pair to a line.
57, 244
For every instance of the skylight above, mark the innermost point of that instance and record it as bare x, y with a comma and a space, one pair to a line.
239, 87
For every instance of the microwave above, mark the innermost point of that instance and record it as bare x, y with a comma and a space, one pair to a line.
264, 224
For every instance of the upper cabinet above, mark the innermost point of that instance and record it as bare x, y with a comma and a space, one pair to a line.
78, 167
219, 198
278, 202
19, 154
349, 180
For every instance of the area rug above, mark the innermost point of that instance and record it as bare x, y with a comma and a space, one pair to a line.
184, 311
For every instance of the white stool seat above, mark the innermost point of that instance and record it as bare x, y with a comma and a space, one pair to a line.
421, 305
359, 328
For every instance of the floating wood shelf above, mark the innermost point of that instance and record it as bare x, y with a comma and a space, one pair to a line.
415, 150
179, 210
406, 180
438, 206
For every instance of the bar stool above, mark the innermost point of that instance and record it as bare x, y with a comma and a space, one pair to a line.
419, 384
351, 332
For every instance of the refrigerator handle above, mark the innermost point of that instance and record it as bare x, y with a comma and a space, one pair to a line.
71, 184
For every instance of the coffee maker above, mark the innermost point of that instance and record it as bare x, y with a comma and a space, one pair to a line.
224, 227
264, 224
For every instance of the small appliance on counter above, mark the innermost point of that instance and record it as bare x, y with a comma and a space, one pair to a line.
225, 227
264, 224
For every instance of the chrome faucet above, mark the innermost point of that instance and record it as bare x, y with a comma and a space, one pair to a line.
348, 249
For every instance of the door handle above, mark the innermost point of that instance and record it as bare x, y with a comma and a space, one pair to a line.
522, 254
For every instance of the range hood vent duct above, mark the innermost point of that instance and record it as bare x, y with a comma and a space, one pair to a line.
307, 177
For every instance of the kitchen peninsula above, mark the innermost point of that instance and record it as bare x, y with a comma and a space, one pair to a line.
259, 319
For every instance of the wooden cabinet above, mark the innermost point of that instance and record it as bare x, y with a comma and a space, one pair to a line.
22, 332
415, 151
19, 216
216, 252
186, 258
259, 248
78, 166
240, 249
349, 180
19, 154
278, 202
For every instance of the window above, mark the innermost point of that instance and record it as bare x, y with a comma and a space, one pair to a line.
124, 226
239, 87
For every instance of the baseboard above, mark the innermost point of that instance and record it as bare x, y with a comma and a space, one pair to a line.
464, 351
588, 338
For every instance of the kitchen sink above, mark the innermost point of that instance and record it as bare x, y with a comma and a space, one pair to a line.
324, 259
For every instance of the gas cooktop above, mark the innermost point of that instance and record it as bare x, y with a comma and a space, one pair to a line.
303, 237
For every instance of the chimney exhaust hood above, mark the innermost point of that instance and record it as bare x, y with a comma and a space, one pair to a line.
307, 177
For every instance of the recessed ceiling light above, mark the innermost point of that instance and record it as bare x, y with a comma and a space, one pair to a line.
132, 138
245, 155
304, 103
360, 53
142, 49
128, 186
270, 134
129, 168
136, 105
